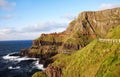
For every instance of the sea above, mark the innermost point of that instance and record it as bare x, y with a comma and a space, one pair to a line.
17, 66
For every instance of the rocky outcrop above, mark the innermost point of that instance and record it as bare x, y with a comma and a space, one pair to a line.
53, 71
45, 59
95, 23
24, 52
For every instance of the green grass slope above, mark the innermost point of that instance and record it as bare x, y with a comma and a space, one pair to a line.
39, 74
114, 33
98, 59
95, 60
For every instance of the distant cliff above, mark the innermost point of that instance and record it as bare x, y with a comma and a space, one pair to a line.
80, 32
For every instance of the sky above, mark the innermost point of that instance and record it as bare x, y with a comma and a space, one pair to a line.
28, 19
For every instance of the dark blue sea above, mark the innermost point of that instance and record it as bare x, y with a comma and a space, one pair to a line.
17, 66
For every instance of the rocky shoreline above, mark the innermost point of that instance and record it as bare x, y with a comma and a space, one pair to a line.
43, 58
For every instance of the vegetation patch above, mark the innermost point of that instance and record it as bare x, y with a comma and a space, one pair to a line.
114, 33
39, 74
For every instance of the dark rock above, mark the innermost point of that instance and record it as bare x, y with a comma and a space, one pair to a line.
24, 52
45, 59
15, 54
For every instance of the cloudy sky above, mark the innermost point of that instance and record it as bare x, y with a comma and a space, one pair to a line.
27, 19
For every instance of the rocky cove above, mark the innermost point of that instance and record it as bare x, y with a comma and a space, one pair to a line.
80, 32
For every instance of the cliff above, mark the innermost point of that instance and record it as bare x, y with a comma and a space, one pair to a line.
80, 32
97, 59
95, 23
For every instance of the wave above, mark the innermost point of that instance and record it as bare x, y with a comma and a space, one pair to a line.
10, 67
16, 58
39, 66
8, 57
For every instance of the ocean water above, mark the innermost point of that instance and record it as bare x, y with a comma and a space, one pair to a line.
16, 66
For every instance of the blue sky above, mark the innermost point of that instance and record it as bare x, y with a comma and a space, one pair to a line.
27, 19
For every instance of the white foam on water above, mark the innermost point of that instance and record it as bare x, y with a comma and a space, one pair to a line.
39, 66
24, 58
16, 58
8, 57
10, 67
19, 59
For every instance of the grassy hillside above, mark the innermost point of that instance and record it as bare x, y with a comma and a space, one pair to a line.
39, 74
98, 59
95, 60
114, 33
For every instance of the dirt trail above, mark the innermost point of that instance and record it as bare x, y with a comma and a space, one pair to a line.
110, 40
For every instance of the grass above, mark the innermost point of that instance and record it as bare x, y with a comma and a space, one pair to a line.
51, 38
109, 68
39, 74
90, 60
97, 59
114, 33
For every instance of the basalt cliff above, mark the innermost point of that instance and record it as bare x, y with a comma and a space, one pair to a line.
59, 51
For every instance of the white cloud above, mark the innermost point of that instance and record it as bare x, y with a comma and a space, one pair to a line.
109, 6
45, 27
69, 17
5, 5
31, 32
8, 16
11, 34
2, 2
19, 36
6, 31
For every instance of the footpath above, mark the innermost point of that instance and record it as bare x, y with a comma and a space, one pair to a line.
110, 40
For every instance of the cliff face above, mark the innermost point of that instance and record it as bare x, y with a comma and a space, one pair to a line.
99, 22
47, 43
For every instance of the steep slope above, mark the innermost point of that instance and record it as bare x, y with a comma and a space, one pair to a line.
98, 59
114, 33
98, 22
